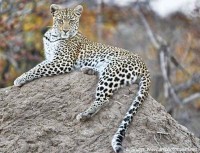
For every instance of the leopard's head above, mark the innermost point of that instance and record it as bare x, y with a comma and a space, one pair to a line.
66, 19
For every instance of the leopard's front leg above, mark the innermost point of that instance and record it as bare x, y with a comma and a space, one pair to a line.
45, 68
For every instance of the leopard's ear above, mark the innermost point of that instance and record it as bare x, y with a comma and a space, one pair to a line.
54, 7
78, 10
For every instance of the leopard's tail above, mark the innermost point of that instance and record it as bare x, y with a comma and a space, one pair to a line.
142, 94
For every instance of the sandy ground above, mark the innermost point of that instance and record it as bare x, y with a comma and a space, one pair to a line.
40, 117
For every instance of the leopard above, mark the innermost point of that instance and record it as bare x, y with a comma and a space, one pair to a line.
66, 49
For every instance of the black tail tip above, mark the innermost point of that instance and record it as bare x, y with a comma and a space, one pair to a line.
118, 149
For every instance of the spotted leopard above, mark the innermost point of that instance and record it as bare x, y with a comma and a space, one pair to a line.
67, 49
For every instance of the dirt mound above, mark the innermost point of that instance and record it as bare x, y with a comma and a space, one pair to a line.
40, 117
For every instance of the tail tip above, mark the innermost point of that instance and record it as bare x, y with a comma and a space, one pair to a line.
118, 149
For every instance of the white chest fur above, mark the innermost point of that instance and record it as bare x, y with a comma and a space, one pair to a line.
50, 49
51, 43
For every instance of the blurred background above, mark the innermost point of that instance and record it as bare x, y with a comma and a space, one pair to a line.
165, 33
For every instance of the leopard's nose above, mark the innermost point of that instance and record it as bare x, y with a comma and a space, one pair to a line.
65, 31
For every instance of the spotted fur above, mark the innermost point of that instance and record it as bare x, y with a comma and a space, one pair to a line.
67, 49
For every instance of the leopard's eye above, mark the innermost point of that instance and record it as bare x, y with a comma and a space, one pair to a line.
60, 21
72, 19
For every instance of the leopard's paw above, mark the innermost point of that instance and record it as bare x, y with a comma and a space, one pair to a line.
82, 116
20, 81
89, 71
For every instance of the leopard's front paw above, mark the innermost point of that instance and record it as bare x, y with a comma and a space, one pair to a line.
20, 81
89, 71
83, 116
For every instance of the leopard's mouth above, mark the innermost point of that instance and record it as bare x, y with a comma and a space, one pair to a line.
65, 31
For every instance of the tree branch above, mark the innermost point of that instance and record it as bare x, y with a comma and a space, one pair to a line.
148, 29
184, 86
165, 57
191, 98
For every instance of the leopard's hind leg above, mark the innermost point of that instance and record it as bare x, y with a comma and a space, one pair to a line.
107, 84
103, 93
